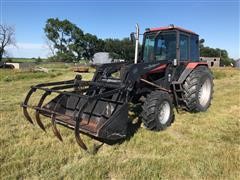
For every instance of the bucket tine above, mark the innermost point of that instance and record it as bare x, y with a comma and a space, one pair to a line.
79, 141
76, 130
38, 120
26, 114
54, 128
53, 119
37, 115
78, 138
24, 105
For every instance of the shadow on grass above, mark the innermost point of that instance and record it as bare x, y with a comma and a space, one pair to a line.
132, 128
135, 123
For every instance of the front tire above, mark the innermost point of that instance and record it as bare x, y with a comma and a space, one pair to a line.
157, 111
198, 89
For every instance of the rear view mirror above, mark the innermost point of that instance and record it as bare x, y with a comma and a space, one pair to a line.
201, 41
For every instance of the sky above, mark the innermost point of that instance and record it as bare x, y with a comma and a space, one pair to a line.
217, 21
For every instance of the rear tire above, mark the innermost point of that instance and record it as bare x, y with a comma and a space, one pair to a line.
198, 89
157, 111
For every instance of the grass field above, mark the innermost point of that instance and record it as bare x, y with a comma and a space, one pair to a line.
196, 146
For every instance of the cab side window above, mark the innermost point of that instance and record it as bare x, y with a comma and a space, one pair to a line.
194, 53
184, 47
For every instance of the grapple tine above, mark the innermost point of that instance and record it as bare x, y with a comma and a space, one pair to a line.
38, 120
54, 128
53, 119
37, 115
24, 105
78, 138
26, 114
79, 141
76, 130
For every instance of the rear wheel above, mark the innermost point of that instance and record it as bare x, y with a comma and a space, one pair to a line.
198, 89
157, 111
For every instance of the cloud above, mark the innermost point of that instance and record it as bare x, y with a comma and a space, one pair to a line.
28, 50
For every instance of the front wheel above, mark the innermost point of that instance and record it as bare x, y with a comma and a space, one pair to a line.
157, 111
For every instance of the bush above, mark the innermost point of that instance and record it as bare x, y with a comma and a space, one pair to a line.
9, 60
38, 60
63, 57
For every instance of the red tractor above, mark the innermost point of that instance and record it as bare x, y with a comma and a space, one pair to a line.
167, 74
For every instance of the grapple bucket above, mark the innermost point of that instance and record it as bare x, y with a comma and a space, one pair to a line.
97, 109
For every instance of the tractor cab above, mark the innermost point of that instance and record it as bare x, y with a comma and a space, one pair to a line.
170, 43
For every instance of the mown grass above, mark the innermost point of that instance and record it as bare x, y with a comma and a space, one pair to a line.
196, 146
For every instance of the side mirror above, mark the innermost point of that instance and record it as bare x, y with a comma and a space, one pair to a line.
201, 41
132, 37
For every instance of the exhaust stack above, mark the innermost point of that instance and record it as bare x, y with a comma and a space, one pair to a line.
136, 46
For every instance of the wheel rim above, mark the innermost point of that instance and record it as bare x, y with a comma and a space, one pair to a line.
204, 92
164, 112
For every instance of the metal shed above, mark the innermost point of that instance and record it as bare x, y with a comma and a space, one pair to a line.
237, 63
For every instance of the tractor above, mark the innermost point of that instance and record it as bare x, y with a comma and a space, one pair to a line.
166, 74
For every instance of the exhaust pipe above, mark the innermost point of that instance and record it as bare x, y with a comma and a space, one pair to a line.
136, 46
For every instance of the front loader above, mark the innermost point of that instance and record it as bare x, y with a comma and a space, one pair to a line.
168, 74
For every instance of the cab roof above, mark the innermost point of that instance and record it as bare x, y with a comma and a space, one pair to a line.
171, 27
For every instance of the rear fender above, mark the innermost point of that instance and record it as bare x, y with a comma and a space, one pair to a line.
189, 68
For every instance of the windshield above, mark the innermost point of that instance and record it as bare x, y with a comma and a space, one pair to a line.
162, 47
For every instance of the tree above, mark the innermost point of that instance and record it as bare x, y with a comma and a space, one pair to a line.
65, 37
50, 46
100, 45
122, 49
89, 46
128, 49
67, 42
7, 37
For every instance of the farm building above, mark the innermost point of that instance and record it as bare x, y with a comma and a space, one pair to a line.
237, 63
212, 61
104, 57
22, 66
101, 58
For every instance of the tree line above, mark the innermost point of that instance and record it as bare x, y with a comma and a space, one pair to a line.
68, 42
225, 60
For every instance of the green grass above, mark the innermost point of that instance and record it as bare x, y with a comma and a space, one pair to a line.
196, 146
